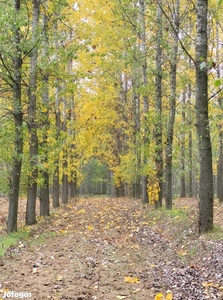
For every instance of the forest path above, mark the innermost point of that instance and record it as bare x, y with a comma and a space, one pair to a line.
101, 248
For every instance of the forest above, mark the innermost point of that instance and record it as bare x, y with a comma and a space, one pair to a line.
120, 98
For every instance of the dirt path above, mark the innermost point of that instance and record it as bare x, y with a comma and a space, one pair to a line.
101, 249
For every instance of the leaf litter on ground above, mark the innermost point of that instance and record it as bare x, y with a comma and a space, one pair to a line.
103, 248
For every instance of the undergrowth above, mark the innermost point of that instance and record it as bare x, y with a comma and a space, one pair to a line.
216, 233
12, 239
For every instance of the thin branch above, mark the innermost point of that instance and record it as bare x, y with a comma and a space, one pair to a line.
175, 32
215, 94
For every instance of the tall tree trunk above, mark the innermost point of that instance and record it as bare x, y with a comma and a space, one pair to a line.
182, 176
44, 188
220, 166
56, 174
136, 119
220, 128
190, 153
158, 105
202, 125
190, 148
72, 185
15, 175
170, 126
65, 156
112, 188
190, 123
32, 124
145, 131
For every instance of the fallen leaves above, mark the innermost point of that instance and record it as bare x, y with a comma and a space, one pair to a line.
89, 227
160, 296
129, 279
110, 247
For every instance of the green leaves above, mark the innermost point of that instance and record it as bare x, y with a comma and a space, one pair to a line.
217, 82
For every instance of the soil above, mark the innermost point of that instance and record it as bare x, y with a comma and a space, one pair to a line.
108, 249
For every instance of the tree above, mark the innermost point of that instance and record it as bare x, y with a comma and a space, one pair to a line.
220, 134
158, 105
14, 182
172, 110
202, 124
44, 195
145, 131
57, 112
32, 122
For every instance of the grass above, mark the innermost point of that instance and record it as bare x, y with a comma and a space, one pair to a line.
40, 239
176, 224
12, 239
173, 215
216, 233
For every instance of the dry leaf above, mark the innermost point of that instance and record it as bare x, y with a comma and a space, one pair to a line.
169, 296
159, 296
90, 227
59, 278
129, 279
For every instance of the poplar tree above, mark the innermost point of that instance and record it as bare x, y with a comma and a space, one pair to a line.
14, 182
32, 122
202, 123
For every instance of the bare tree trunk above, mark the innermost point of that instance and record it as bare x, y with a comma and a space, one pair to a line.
137, 124
182, 176
158, 106
202, 125
56, 175
220, 166
14, 182
170, 126
44, 194
32, 124
220, 134
145, 140
65, 155
73, 177
190, 149
112, 188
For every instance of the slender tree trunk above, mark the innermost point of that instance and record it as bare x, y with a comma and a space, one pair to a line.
56, 175
14, 182
44, 194
137, 124
112, 188
65, 156
65, 180
202, 125
170, 127
56, 187
72, 188
145, 140
136, 112
158, 106
33, 139
182, 176
220, 128
72, 185
190, 148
